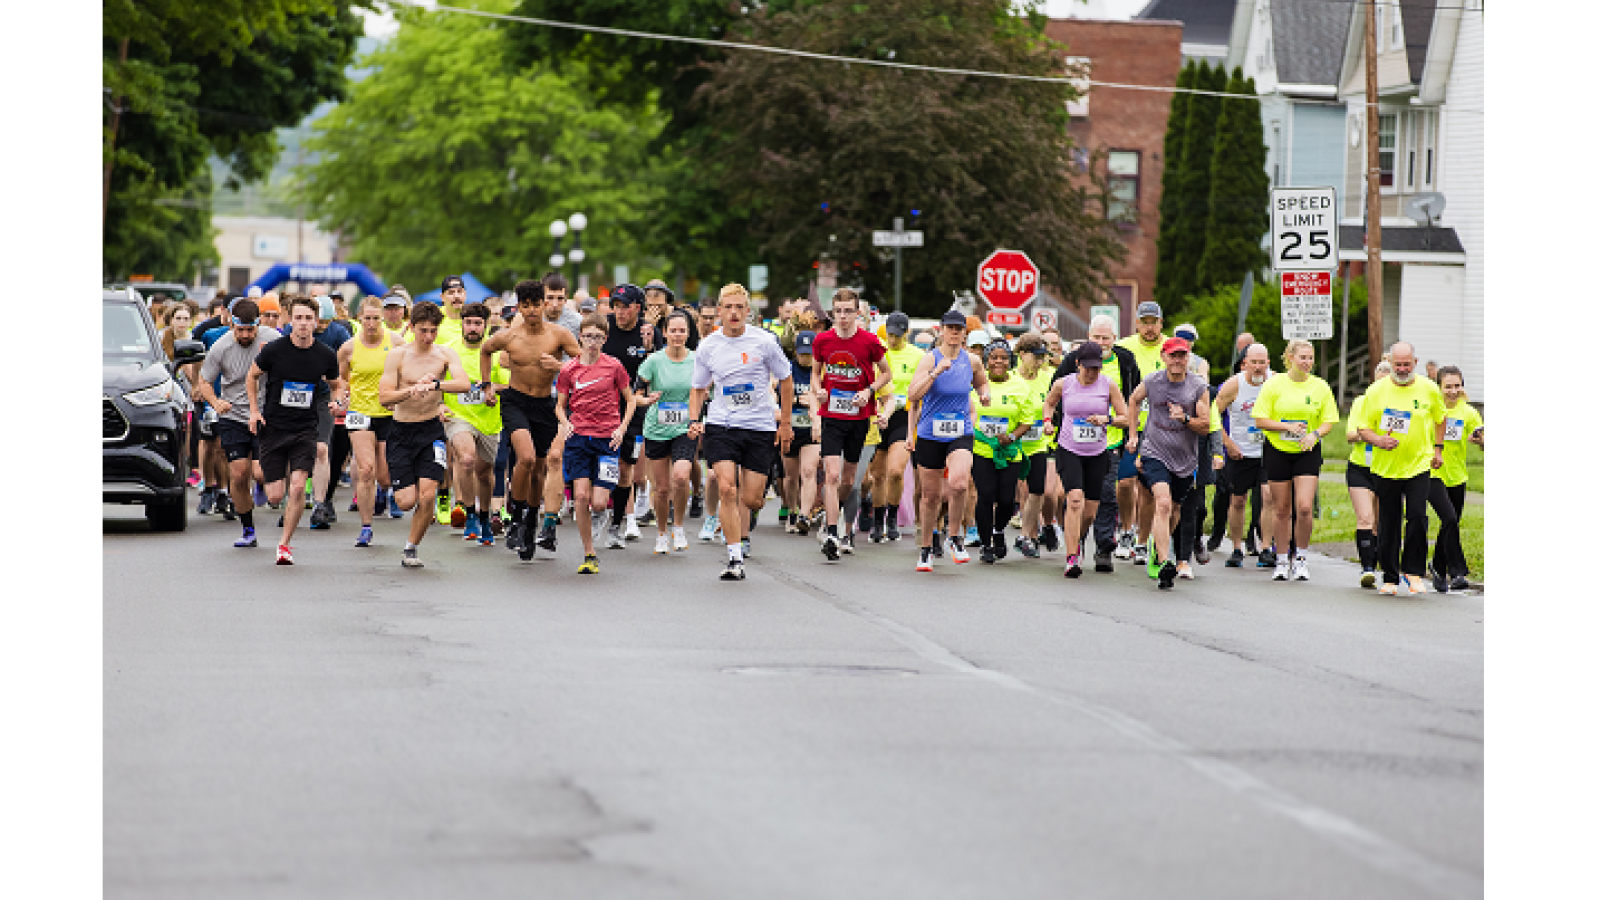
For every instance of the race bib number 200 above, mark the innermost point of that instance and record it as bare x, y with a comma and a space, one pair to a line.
297, 394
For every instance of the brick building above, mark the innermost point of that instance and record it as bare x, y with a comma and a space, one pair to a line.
1128, 128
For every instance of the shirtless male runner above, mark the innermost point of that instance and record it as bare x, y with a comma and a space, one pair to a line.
411, 385
533, 351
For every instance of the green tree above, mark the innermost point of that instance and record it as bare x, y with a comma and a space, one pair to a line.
1240, 191
1172, 209
1215, 313
202, 79
1194, 185
448, 158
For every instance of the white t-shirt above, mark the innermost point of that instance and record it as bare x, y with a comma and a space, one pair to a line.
739, 372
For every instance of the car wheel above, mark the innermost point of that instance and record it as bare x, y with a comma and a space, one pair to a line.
168, 516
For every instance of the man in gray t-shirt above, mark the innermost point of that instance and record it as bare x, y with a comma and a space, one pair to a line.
1169, 449
226, 366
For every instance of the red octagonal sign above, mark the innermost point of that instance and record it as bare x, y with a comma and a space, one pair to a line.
1008, 279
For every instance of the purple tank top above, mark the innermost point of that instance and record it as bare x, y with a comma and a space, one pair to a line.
1078, 401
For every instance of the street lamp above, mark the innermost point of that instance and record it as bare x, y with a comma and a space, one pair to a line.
577, 222
558, 230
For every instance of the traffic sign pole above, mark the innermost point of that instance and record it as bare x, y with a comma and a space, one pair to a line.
899, 238
899, 225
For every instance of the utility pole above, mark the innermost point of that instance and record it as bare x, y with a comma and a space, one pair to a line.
111, 151
899, 225
1374, 211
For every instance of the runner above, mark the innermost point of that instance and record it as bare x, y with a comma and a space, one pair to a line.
998, 461
902, 357
472, 427
1134, 499
594, 403
1089, 405
1296, 410
844, 358
271, 312
739, 427
1447, 493
942, 386
1358, 481
1168, 451
803, 449
1038, 444
668, 376
1243, 443
452, 298
629, 340
286, 425
527, 409
396, 307
227, 364
555, 313
367, 420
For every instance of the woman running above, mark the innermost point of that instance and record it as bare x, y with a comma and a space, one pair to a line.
1358, 481
804, 452
668, 449
943, 385
1082, 459
997, 452
367, 421
1037, 443
1296, 410
1447, 493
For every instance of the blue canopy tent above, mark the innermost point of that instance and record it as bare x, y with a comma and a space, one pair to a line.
477, 291
335, 273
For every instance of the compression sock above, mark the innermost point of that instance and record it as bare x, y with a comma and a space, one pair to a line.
879, 513
1367, 547
248, 519
619, 504
892, 514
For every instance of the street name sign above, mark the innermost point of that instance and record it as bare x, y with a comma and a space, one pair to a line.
897, 239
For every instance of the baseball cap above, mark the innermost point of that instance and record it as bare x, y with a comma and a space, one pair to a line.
269, 304
1174, 344
588, 304
394, 300
953, 318
1188, 332
803, 341
978, 338
898, 323
452, 281
1149, 309
254, 292
624, 294
326, 303
1088, 354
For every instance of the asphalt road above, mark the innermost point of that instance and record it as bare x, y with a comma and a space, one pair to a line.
488, 728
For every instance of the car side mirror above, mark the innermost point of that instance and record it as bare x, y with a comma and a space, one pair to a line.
187, 351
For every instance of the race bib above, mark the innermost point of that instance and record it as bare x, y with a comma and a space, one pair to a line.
473, 397
801, 418
899, 401
1453, 428
210, 416
1304, 429
1395, 421
440, 456
354, 421
297, 394
842, 402
672, 414
992, 427
610, 469
949, 425
1034, 433
739, 394
1083, 432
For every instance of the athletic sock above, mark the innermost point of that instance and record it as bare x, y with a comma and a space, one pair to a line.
892, 514
619, 504
736, 552
1367, 547
879, 513
248, 518
410, 546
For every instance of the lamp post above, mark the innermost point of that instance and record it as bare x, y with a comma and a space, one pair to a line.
558, 230
577, 222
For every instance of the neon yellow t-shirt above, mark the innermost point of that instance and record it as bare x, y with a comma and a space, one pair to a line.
1408, 413
470, 406
1459, 424
1360, 451
1035, 441
1148, 356
1011, 404
1282, 399
1111, 368
902, 365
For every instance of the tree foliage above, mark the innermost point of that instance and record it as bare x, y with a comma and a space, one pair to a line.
1240, 191
1172, 219
203, 78
1194, 187
448, 157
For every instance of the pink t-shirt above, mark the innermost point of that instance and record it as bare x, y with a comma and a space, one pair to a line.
593, 395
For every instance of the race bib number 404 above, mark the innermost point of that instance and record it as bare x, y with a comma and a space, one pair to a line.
297, 394
1396, 421
739, 394
949, 425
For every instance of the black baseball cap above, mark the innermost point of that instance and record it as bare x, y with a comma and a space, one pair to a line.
953, 317
899, 323
1089, 354
452, 281
627, 293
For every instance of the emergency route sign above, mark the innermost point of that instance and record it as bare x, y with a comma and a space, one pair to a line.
1307, 305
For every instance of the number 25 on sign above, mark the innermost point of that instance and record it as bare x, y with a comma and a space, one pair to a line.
1305, 224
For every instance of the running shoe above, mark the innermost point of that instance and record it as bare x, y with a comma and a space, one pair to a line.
394, 507
648, 519
1236, 560
1141, 554
458, 516
783, 513
1300, 570
1124, 545
1027, 548
1202, 555
1152, 565
319, 519
972, 537
487, 538
285, 555
1267, 558
525, 548
1389, 590
697, 507
958, 553
708, 530
680, 541
591, 565
225, 506
744, 547
733, 571
1168, 576
938, 544
630, 530
442, 508
1016, 520
1460, 584
830, 546
471, 530
208, 502
408, 558
877, 531
310, 503
329, 513
355, 505
1048, 539
986, 554
364, 537
514, 536
999, 544
925, 560
802, 525
864, 518
258, 496
1185, 571
547, 535
789, 526
847, 544
1417, 583
194, 477
614, 539
1280, 571
1214, 543
1073, 569
248, 539
891, 529
663, 544
1102, 562
1440, 583
1368, 578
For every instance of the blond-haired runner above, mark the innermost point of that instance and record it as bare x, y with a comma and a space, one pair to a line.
367, 421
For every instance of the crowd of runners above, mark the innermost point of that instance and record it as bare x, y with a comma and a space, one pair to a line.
635, 411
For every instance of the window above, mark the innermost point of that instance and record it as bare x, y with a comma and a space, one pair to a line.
1377, 15
1386, 125
238, 279
1396, 40
1427, 129
1413, 126
1077, 69
1122, 173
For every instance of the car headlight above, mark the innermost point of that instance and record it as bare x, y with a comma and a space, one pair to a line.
156, 393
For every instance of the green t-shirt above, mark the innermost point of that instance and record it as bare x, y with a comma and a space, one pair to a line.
1011, 404
1282, 399
1408, 413
1459, 424
668, 417
470, 406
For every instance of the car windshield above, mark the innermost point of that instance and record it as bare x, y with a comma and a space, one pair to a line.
123, 331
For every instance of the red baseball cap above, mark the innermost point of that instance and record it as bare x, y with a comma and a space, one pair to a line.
1175, 343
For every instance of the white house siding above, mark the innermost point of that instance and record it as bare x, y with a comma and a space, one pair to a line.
1461, 181
1430, 316
1318, 158
1275, 129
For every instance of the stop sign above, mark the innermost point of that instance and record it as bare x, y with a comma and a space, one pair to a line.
1008, 279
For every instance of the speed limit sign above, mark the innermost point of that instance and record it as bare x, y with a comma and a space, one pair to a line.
1044, 318
1305, 228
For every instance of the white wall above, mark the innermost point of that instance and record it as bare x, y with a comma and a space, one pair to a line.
1431, 313
236, 243
1461, 181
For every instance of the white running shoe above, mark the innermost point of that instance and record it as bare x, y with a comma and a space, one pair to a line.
614, 539
958, 551
631, 531
1184, 571
1124, 546
663, 544
1280, 572
680, 541
1300, 570
1140, 554
709, 529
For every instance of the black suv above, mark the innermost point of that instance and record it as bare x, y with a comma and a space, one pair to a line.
145, 413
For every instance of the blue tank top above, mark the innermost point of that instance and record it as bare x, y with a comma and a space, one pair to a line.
944, 415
